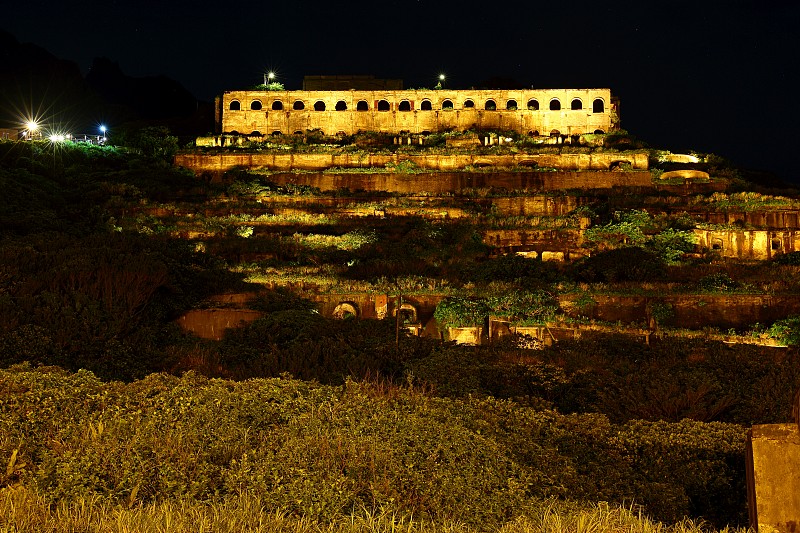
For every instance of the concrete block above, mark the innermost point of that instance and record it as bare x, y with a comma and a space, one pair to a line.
773, 478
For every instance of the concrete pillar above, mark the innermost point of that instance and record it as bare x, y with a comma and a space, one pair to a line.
773, 477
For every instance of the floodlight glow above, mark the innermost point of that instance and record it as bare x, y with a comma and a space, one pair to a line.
441, 77
32, 125
102, 129
271, 75
56, 138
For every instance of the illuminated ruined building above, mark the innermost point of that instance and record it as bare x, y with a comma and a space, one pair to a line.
373, 105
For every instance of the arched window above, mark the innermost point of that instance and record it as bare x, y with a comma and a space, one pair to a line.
235, 105
277, 105
426, 105
362, 105
511, 105
298, 105
576, 104
298, 132
599, 132
319, 105
533, 104
469, 104
276, 133
383, 105
255, 133
405, 105
447, 104
555, 105
555, 133
598, 106
255, 105
490, 105
341, 105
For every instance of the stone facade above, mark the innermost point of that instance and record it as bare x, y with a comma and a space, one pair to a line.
545, 112
749, 244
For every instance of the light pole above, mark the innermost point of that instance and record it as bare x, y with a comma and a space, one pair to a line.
440, 85
103, 131
268, 77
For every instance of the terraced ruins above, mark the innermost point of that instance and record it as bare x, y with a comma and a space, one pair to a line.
634, 240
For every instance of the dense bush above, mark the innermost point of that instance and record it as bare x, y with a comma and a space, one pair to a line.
321, 451
621, 264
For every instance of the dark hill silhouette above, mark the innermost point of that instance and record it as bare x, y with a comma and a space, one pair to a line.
150, 97
35, 83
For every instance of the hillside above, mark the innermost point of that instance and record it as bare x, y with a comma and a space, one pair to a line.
461, 352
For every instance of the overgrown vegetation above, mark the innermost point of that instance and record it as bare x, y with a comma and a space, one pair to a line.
101, 249
325, 452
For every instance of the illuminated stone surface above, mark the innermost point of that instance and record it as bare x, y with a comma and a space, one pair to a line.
773, 478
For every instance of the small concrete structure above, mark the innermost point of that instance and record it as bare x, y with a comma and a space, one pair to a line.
687, 174
212, 323
773, 478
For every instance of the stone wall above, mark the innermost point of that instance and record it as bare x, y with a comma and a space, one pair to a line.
444, 182
783, 219
749, 244
535, 111
218, 163
691, 311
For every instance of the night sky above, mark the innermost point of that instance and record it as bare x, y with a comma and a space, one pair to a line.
715, 76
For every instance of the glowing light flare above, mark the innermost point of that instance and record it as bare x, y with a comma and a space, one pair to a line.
32, 125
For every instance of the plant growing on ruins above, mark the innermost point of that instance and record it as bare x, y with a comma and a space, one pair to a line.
786, 331
459, 312
524, 308
719, 282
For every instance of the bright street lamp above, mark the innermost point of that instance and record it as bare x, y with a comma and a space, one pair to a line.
268, 77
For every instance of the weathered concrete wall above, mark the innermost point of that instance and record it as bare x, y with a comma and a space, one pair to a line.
549, 240
691, 311
773, 478
776, 219
219, 163
749, 244
417, 111
212, 323
443, 182
685, 174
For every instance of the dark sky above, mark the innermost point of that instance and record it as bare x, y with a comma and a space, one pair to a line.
715, 76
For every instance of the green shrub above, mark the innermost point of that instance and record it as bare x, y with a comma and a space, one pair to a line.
321, 452
457, 312
622, 264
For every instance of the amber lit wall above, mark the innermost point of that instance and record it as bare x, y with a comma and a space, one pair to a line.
532, 111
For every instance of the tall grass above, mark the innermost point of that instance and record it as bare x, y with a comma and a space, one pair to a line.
23, 511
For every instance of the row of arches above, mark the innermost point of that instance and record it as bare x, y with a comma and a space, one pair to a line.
598, 105
532, 133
